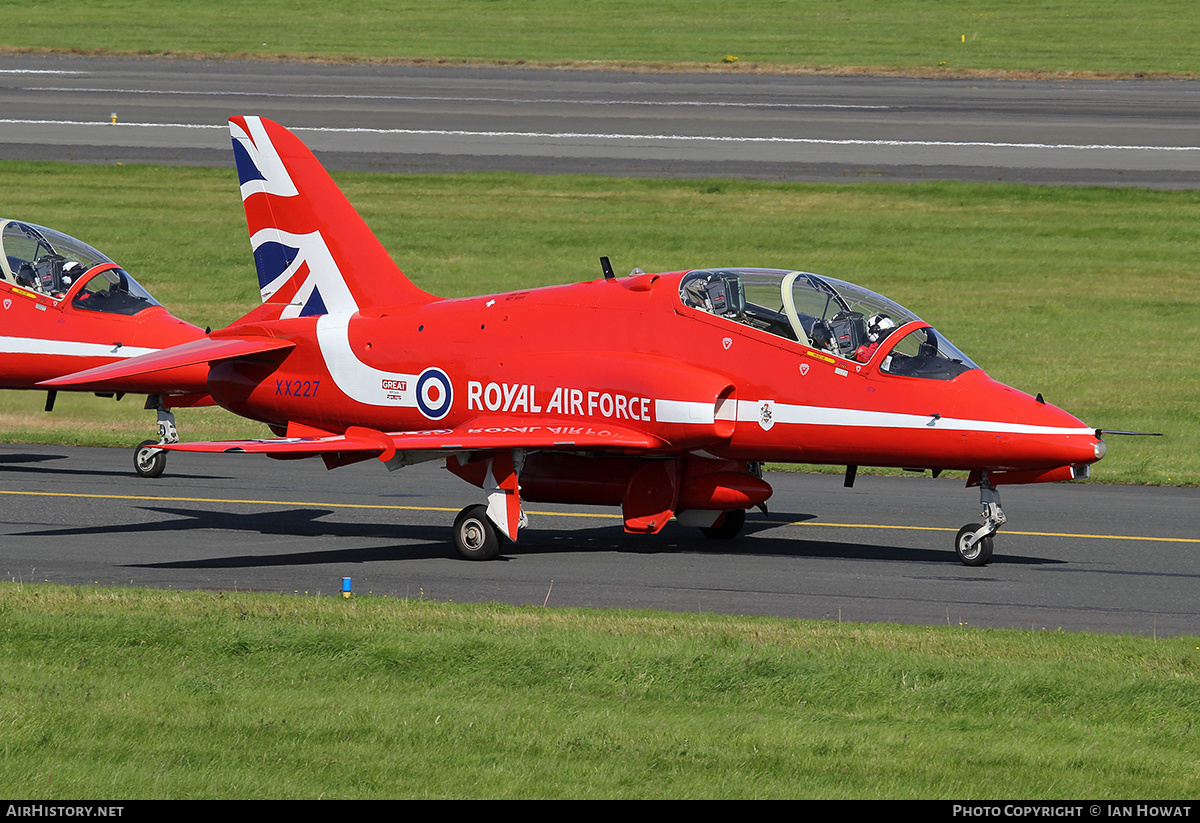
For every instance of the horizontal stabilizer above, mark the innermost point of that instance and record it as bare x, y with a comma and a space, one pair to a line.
207, 350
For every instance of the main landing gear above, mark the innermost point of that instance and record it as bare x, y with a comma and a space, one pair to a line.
148, 459
475, 536
728, 525
973, 544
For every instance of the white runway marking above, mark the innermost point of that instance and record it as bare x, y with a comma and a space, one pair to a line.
40, 71
455, 99
674, 138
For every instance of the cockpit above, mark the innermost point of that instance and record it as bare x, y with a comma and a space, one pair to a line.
832, 316
58, 266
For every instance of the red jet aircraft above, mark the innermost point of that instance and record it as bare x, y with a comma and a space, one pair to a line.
659, 393
67, 307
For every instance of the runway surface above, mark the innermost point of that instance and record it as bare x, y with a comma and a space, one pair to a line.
391, 118
1073, 557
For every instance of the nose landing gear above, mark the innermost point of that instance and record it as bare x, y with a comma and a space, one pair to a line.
149, 461
973, 544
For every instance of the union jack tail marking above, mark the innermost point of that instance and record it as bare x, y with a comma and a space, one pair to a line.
313, 252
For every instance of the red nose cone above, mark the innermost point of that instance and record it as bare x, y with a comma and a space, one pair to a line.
1028, 433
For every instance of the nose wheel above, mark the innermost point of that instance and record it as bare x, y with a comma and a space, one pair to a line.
148, 459
973, 551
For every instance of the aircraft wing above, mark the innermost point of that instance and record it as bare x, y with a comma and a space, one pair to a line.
567, 435
206, 350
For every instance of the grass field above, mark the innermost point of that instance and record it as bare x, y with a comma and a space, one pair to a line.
1157, 37
122, 694
1084, 295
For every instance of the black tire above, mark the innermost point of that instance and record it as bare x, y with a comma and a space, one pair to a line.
978, 555
475, 536
148, 459
728, 525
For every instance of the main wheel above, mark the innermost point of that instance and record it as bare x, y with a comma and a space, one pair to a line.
474, 535
148, 459
979, 554
728, 525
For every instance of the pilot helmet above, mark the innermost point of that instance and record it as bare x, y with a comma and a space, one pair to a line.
878, 326
69, 273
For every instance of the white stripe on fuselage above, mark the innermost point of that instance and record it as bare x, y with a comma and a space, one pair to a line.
684, 411
748, 412
68, 348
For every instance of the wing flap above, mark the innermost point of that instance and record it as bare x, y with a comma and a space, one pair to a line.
476, 435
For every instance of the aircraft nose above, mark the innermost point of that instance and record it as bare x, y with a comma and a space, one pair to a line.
1079, 444
1066, 438
1039, 434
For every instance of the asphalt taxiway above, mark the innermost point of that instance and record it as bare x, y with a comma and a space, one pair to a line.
1074, 557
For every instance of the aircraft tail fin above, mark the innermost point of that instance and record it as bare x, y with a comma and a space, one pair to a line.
313, 252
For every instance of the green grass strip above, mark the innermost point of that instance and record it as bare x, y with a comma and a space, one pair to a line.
125, 694
925, 36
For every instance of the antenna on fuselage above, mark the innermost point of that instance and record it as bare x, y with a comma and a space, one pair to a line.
607, 268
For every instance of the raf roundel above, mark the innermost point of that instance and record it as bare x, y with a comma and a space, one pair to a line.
435, 394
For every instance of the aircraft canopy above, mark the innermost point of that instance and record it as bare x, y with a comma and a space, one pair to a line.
833, 316
58, 266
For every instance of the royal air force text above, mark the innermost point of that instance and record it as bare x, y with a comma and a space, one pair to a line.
524, 397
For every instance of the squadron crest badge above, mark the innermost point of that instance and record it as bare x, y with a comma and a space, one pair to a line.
766, 414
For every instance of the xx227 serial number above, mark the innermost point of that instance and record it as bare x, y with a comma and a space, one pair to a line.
296, 388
